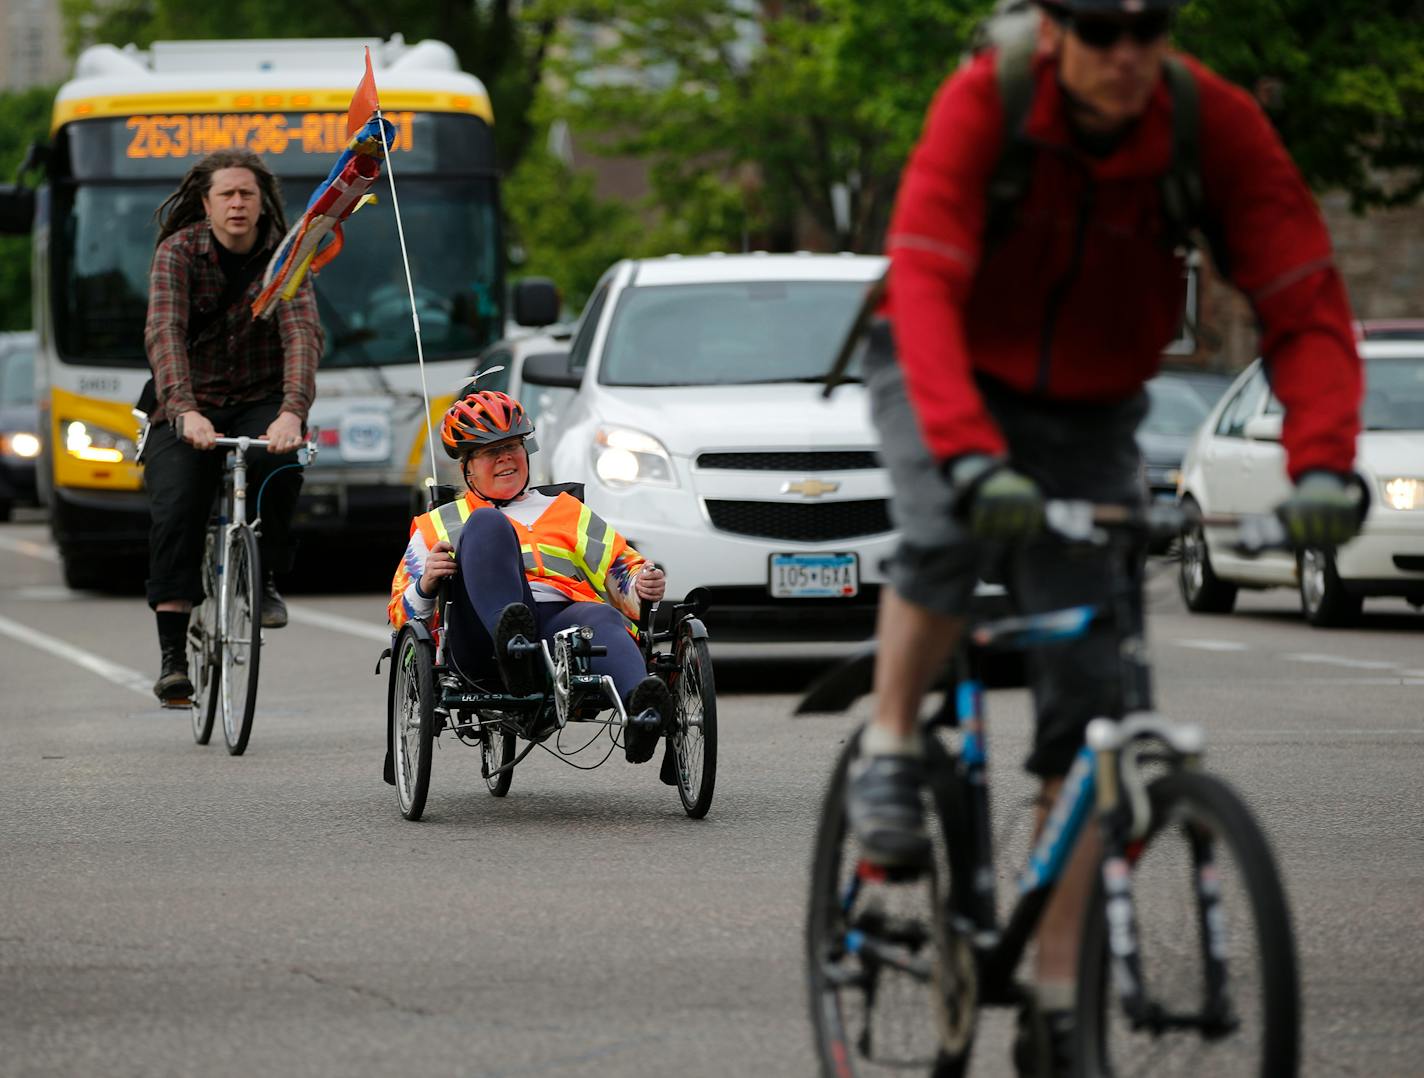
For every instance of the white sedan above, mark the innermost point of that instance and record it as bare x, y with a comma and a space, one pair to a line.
1236, 465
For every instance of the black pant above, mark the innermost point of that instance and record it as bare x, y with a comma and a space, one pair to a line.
492, 576
182, 483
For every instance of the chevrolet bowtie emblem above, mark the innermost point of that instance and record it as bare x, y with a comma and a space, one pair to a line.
810, 488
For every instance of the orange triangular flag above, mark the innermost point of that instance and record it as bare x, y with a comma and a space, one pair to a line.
364, 102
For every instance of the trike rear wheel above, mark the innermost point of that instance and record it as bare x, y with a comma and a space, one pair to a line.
496, 751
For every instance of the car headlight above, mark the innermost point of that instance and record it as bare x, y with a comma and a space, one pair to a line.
89, 442
622, 457
1403, 493
20, 444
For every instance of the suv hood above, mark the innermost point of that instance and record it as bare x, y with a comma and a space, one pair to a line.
690, 419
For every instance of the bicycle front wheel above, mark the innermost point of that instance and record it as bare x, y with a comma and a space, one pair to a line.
1218, 964
891, 988
694, 743
241, 638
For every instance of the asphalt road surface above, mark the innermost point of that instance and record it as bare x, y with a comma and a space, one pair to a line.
166, 909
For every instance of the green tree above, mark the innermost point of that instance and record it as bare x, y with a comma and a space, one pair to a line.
24, 119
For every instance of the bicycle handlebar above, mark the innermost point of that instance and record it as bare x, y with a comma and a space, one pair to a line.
244, 442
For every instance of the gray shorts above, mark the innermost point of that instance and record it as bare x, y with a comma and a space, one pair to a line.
1085, 451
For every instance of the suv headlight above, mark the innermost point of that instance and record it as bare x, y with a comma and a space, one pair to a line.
1403, 493
622, 457
93, 443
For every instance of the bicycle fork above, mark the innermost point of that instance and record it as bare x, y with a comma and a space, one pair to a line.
1124, 815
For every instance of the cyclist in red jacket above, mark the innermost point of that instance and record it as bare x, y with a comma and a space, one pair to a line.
1024, 330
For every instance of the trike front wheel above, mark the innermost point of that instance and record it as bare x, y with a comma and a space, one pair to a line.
694, 741
412, 720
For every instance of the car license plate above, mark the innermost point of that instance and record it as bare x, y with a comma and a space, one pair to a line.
814, 576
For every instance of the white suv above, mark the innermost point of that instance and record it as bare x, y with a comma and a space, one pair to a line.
700, 431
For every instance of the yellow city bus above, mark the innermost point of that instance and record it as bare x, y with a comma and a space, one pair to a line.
125, 129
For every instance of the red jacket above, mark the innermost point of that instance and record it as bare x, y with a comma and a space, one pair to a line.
1078, 299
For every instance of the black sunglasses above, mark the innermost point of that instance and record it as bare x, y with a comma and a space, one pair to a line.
1105, 33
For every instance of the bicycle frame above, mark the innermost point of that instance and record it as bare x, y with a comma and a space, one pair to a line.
1103, 782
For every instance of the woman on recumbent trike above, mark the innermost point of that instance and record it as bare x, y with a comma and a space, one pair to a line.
527, 562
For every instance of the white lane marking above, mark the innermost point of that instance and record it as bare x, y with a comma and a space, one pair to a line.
29, 548
1211, 645
1338, 660
339, 624
119, 675
48, 593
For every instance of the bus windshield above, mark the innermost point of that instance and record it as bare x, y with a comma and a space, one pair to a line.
102, 240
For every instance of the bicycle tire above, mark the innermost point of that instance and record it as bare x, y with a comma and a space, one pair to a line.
241, 637
1104, 1039
206, 674
497, 750
412, 717
694, 743
204, 644
941, 1019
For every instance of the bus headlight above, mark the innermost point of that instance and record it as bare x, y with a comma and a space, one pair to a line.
1403, 493
93, 443
21, 444
622, 457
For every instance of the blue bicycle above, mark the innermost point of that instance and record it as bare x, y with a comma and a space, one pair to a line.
1187, 961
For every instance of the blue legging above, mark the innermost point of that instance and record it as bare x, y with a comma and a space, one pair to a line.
492, 576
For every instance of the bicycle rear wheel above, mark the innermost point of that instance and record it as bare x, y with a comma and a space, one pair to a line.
204, 644
497, 750
241, 638
891, 989
1203, 838
694, 744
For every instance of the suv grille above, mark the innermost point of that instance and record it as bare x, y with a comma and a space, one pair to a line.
843, 460
801, 523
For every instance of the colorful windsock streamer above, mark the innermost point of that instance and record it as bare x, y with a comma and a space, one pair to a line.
336, 198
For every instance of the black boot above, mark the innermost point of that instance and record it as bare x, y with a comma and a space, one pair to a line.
649, 708
173, 688
274, 607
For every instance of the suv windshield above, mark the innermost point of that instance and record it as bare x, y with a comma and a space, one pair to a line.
1394, 394
1174, 407
735, 333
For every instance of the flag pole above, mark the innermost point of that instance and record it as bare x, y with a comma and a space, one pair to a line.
410, 290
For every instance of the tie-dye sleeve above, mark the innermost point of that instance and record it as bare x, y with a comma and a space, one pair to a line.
406, 601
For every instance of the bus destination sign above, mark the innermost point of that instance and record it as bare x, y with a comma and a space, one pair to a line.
195, 135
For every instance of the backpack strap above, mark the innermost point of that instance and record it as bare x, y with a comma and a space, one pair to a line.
1013, 71
1183, 200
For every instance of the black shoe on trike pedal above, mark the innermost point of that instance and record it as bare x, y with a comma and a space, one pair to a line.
519, 664
649, 712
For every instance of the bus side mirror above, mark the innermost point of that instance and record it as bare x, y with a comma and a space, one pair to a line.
17, 209
536, 302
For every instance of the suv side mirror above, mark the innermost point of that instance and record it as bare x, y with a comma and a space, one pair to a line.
1263, 428
17, 209
550, 369
536, 302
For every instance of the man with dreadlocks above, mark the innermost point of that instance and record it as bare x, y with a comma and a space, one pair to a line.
218, 372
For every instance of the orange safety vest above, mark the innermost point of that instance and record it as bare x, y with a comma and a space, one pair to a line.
569, 547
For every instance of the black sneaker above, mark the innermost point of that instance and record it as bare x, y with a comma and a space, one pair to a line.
649, 709
884, 811
1043, 1043
274, 607
520, 672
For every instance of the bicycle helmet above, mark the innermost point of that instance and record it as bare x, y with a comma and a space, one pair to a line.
483, 418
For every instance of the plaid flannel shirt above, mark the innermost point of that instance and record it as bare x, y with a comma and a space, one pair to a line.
238, 359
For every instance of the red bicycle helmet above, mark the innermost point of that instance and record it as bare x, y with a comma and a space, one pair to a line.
483, 418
